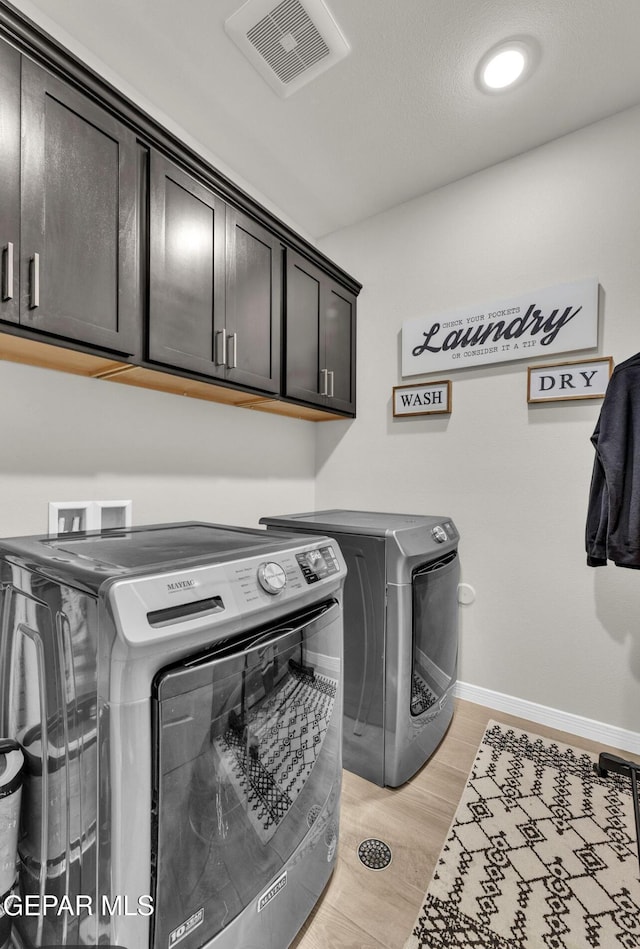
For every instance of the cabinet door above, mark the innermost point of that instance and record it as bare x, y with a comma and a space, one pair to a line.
338, 314
253, 303
9, 181
186, 271
320, 349
79, 224
304, 346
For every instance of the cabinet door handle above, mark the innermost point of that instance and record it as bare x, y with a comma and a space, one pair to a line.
7, 273
330, 386
232, 359
221, 347
34, 265
323, 381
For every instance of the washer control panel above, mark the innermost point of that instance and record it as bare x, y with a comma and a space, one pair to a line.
271, 577
215, 597
318, 563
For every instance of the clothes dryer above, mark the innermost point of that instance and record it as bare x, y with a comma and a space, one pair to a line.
176, 691
401, 634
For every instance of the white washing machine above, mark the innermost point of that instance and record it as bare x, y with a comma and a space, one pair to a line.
176, 691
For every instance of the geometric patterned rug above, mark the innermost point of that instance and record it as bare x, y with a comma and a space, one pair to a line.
541, 854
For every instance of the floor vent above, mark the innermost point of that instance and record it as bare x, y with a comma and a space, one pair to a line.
374, 854
289, 43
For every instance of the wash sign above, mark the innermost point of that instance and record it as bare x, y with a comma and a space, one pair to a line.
555, 320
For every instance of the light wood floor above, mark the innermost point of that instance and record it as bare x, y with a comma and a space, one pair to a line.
376, 909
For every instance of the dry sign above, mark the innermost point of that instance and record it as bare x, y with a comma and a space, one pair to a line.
569, 380
554, 320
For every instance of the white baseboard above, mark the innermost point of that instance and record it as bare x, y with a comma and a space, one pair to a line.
609, 735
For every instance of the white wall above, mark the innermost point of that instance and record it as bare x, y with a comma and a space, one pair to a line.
65, 437
544, 627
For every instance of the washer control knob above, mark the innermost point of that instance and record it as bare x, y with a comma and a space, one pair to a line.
272, 577
439, 534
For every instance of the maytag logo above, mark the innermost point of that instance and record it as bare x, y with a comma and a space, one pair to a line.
178, 585
272, 892
188, 926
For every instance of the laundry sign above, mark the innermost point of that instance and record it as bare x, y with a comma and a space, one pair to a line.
554, 320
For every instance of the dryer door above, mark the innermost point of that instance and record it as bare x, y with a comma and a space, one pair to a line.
435, 631
247, 750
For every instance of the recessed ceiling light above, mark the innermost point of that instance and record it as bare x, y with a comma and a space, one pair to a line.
506, 64
504, 68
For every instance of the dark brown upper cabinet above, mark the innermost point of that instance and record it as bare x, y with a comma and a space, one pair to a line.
253, 304
215, 279
186, 271
79, 200
9, 183
133, 258
320, 337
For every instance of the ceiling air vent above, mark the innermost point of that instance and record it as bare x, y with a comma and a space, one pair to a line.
289, 43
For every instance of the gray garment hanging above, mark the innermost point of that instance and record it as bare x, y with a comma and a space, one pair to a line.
613, 514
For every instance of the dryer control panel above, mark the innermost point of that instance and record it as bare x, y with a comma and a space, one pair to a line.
318, 563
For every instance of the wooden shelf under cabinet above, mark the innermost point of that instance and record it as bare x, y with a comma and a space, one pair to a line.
34, 353
291, 409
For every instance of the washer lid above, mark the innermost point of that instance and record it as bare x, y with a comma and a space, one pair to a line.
90, 560
162, 544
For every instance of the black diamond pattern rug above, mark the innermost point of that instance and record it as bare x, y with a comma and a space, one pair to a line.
541, 854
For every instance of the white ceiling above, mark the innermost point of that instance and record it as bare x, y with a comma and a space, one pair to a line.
400, 116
